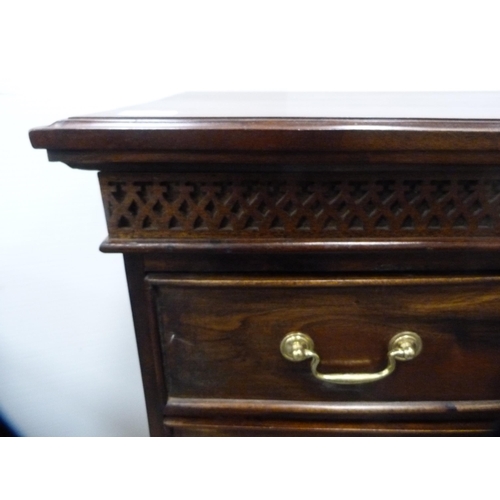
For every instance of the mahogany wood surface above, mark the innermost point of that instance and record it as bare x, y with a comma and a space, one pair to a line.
273, 128
147, 344
430, 105
221, 336
211, 428
349, 217
348, 411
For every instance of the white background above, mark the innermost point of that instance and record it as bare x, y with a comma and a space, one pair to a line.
68, 361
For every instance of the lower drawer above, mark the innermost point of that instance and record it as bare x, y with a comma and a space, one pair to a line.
286, 428
221, 339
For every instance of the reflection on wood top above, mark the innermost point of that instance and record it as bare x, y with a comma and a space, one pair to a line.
431, 105
284, 124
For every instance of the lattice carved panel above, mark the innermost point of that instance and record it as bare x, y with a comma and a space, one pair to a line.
328, 206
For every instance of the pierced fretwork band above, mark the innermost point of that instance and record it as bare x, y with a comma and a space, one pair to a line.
331, 206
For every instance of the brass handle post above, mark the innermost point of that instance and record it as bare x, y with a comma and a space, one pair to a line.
404, 346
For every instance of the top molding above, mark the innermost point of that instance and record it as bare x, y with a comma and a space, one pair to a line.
196, 127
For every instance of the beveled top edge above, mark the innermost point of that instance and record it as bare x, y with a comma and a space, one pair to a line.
296, 105
277, 124
478, 130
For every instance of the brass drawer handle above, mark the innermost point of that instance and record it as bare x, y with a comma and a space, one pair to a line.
404, 346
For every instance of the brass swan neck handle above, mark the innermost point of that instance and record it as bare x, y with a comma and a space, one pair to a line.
404, 346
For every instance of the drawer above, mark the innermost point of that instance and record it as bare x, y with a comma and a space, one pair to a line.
221, 335
201, 428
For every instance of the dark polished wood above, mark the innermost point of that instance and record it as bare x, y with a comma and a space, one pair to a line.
148, 345
287, 428
383, 206
401, 411
277, 130
221, 336
349, 217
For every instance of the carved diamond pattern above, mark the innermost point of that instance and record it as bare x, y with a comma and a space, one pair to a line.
331, 206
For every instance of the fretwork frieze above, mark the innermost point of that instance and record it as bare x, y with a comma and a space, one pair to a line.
330, 206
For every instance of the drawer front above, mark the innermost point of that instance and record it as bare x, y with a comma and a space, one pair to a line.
221, 337
260, 427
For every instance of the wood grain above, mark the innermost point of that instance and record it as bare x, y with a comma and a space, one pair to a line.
243, 217
381, 206
398, 411
221, 336
221, 428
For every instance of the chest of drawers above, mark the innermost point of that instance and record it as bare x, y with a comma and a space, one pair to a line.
306, 264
